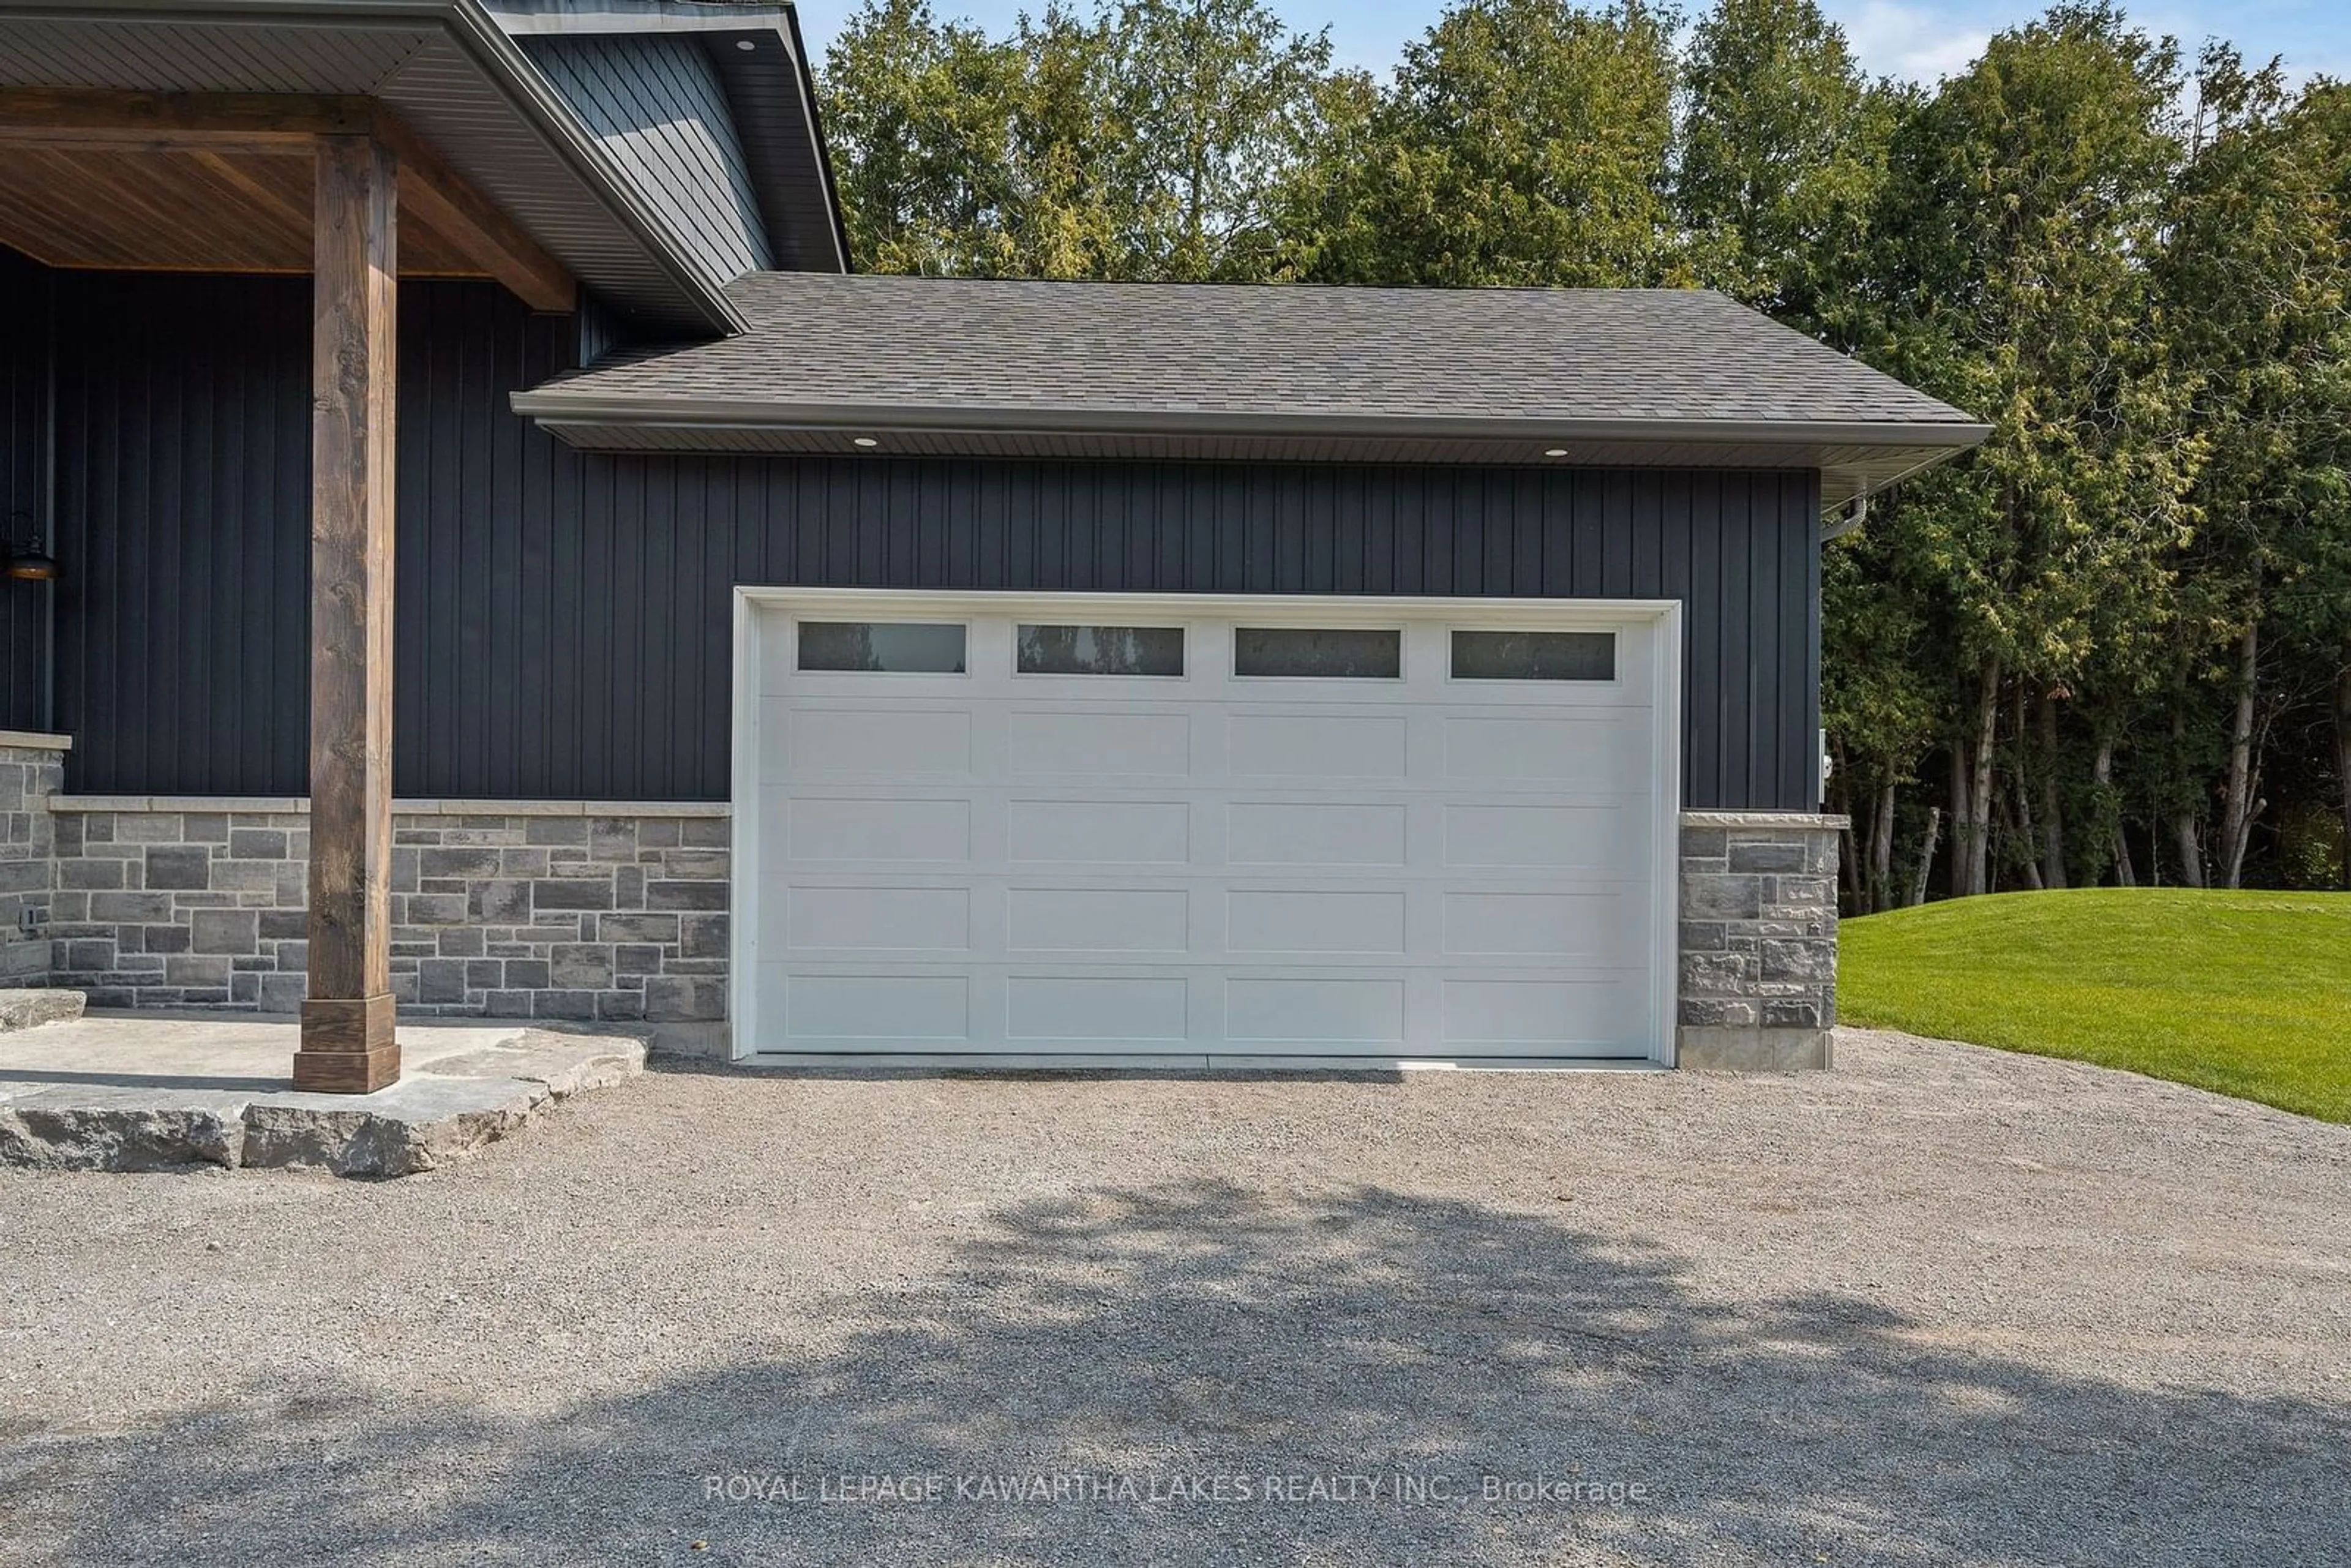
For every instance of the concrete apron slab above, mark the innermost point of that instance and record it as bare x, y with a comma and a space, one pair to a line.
134, 1091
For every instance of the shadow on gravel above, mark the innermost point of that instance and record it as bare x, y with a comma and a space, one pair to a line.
1202, 1332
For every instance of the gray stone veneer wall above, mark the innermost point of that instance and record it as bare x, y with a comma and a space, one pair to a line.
1759, 935
619, 913
613, 913
32, 772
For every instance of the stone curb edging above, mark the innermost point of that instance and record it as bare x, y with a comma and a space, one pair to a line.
1821, 820
443, 1112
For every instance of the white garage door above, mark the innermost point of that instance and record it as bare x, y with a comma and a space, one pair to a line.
1178, 830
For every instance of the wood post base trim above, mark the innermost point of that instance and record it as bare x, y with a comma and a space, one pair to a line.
347, 1046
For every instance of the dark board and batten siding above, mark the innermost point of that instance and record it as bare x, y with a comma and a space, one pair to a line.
657, 107
183, 542
565, 619
24, 395
769, 96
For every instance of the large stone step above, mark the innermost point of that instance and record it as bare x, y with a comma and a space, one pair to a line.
125, 1091
38, 1005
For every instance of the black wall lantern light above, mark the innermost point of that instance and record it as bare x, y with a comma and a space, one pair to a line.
28, 562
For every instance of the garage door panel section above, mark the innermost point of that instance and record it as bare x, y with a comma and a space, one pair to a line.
868, 1010
1100, 832
1094, 743
876, 919
1115, 922
1535, 1015
1600, 752
1585, 926
1092, 1012
1309, 832
862, 829
1274, 921
1314, 1014
882, 743
1274, 744
1524, 835
1107, 860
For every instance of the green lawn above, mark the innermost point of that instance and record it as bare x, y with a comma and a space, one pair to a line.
2245, 993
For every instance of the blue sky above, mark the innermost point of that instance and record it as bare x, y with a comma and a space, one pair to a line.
1918, 39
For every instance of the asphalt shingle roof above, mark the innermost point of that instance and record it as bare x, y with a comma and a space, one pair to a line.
1082, 350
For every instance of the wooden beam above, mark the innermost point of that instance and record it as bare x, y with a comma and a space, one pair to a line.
105, 117
474, 228
96, 120
347, 1046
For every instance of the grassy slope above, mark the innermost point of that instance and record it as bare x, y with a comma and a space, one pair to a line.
2246, 993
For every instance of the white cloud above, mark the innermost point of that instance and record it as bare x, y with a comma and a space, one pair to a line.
1918, 43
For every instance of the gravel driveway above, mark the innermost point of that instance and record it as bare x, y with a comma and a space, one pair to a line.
1942, 1305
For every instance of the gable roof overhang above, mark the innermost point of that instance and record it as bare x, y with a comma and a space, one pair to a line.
448, 71
762, 63
1507, 378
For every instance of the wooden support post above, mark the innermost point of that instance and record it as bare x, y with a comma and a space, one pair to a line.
347, 1023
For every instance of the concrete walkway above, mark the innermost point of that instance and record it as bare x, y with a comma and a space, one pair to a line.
148, 1090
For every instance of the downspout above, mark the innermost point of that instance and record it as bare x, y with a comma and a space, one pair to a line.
1844, 524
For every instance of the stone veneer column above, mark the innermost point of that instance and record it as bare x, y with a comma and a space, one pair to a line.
1758, 934
32, 774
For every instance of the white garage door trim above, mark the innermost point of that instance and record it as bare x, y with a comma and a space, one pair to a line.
1660, 619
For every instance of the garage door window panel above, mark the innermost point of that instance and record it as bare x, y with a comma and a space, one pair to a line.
1534, 656
883, 647
1318, 652
1051, 650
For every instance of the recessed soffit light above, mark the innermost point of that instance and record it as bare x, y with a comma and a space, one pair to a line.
746, 44
1554, 451
866, 441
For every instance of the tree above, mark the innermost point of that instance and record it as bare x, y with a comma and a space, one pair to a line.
1218, 103
917, 113
1879, 699
1524, 141
1782, 156
2253, 277
2020, 201
1154, 139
